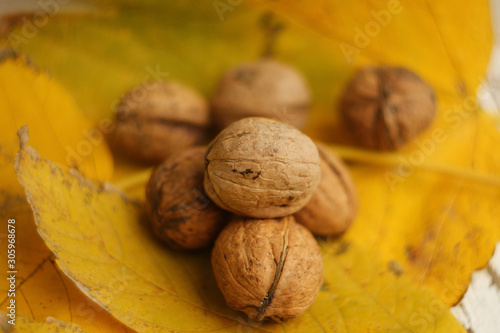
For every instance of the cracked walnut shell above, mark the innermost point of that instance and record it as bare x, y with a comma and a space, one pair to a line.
334, 204
180, 213
261, 168
155, 120
386, 107
269, 269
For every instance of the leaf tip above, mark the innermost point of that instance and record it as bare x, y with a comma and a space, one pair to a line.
23, 135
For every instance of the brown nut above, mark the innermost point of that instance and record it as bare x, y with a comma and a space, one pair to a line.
261, 168
386, 107
333, 205
180, 213
261, 89
155, 120
269, 269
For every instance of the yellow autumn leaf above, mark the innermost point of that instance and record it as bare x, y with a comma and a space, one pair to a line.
434, 224
29, 96
26, 325
438, 222
447, 43
41, 289
432, 206
101, 242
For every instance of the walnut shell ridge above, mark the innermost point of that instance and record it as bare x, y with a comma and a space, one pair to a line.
155, 120
269, 269
386, 107
334, 204
265, 88
261, 168
179, 212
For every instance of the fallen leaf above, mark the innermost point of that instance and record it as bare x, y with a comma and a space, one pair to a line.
478, 309
433, 39
29, 96
438, 223
63, 133
433, 207
42, 290
101, 243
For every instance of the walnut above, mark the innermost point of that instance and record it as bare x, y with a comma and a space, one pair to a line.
386, 107
270, 269
261, 168
261, 89
180, 213
333, 205
155, 120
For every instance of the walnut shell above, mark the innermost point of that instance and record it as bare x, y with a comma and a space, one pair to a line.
261, 168
270, 269
386, 107
155, 120
334, 204
261, 89
180, 213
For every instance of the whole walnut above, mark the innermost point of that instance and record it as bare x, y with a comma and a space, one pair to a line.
179, 212
386, 107
269, 269
261, 89
333, 205
261, 168
157, 119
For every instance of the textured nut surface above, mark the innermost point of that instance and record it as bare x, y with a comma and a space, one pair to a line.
261, 168
334, 204
261, 89
270, 269
180, 213
386, 107
157, 119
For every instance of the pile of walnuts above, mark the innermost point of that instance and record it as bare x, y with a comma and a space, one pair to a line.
260, 190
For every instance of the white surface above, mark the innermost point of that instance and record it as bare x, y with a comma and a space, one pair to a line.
488, 94
479, 310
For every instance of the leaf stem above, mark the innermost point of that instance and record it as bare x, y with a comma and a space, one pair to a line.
271, 27
358, 155
134, 180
